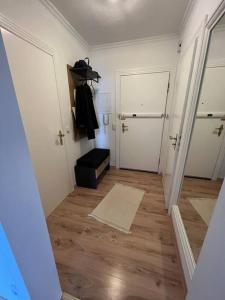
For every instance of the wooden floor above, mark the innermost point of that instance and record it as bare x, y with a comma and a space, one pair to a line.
98, 262
195, 227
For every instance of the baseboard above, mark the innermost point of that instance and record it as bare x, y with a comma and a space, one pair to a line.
186, 255
179, 260
66, 296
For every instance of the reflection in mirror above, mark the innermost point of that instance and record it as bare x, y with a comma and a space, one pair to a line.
205, 166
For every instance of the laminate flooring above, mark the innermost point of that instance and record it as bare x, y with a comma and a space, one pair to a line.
195, 226
97, 262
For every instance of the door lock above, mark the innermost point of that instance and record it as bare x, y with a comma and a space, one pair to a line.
61, 135
172, 138
124, 127
219, 130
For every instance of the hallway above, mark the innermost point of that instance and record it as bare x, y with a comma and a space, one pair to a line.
97, 262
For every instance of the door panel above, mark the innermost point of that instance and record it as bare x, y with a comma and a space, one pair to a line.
204, 149
213, 90
205, 135
145, 96
176, 115
144, 93
35, 85
140, 144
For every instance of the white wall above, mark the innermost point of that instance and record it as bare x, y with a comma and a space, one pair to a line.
21, 213
107, 60
200, 9
37, 20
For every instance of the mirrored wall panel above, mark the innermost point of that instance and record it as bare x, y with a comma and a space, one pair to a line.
205, 166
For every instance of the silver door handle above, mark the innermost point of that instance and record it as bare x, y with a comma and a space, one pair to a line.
124, 127
61, 135
219, 130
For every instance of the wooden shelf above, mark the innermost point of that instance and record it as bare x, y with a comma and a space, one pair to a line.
79, 133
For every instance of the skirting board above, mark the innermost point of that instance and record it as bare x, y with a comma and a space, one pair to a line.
186, 255
66, 296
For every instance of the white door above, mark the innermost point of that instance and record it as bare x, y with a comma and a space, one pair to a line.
207, 140
35, 85
143, 105
176, 115
205, 146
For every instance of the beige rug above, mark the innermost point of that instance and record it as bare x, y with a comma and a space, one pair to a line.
119, 207
68, 297
204, 207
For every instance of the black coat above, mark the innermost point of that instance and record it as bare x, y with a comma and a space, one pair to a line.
85, 112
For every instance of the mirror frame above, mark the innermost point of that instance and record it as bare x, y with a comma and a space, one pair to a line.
204, 35
193, 99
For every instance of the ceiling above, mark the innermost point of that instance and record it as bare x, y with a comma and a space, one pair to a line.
108, 21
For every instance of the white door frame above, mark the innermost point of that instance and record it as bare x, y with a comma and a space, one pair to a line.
119, 73
190, 113
195, 42
185, 251
7, 24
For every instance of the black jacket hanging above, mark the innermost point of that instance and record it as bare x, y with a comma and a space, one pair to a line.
85, 112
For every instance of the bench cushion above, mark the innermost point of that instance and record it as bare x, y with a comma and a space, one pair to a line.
94, 158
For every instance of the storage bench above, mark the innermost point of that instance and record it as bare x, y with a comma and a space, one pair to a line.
91, 166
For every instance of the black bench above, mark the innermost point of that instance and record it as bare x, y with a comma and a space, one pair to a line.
91, 166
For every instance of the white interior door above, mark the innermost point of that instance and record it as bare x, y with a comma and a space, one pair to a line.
35, 85
205, 147
176, 116
143, 104
205, 135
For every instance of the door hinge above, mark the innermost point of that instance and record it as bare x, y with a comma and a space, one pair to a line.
179, 45
168, 88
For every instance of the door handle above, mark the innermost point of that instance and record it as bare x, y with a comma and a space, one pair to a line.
172, 138
124, 127
61, 135
219, 130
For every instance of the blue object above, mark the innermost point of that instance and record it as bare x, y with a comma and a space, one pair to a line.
12, 286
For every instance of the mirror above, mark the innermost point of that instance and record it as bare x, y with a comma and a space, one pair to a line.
205, 165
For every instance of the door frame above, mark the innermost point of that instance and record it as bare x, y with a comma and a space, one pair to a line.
187, 260
127, 72
10, 26
195, 42
189, 115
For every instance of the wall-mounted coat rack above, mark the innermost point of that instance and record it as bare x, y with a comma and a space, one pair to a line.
85, 73
76, 75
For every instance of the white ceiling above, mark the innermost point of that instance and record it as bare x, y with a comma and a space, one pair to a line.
107, 21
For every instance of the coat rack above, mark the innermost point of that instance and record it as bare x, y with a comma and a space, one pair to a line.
75, 76
86, 73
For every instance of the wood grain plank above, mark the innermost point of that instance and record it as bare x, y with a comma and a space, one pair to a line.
195, 227
96, 261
